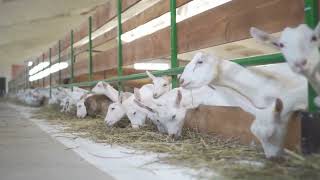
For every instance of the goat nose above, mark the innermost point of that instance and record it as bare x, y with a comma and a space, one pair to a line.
304, 62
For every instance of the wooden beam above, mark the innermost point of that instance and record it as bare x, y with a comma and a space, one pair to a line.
149, 14
224, 24
231, 122
103, 14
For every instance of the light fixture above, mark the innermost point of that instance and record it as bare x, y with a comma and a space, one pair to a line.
30, 63
52, 69
38, 67
58, 66
151, 66
184, 12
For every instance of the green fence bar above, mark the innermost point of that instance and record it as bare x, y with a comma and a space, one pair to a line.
173, 41
120, 70
71, 58
311, 18
50, 76
59, 59
38, 81
25, 74
250, 61
90, 49
174, 71
44, 78
260, 60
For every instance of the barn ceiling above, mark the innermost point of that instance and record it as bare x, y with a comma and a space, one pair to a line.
28, 27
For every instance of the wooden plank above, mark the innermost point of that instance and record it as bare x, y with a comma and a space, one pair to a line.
103, 14
232, 122
227, 23
149, 14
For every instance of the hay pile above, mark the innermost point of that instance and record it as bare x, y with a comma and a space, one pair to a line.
227, 157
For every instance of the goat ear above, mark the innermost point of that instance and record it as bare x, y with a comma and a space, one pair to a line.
278, 108
150, 75
317, 30
168, 78
278, 105
137, 95
120, 97
264, 37
178, 99
104, 84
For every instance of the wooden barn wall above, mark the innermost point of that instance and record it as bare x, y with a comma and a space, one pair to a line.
224, 24
233, 122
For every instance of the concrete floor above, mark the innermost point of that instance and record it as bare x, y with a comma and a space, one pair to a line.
26, 153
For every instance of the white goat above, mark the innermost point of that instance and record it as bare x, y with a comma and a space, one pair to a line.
205, 69
106, 89
168, 111
71, 98
161, 85
81, 108
266, 115
122, 107
300, 47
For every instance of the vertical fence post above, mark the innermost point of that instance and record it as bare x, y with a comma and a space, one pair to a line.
59, 59
311, 18
72, 56
38, 81
25, 74
50, 76
90, 49
120, 70
44, 78
173, 40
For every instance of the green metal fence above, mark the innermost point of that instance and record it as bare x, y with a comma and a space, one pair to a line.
311, 18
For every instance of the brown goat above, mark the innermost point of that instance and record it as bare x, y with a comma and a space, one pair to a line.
97, 105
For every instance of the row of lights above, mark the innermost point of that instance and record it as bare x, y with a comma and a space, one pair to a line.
193, 8
39, 71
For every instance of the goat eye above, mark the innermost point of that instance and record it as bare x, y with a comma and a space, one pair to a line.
200, 62
112, 108
174, 116
281, 45
134, 113
165, 85
314, 38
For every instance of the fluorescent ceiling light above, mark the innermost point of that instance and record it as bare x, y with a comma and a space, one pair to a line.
39, 67
184, 12
30, 63
129, 13
58, 66
52, 69
151, 66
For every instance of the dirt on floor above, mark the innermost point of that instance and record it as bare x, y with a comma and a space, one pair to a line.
200, 151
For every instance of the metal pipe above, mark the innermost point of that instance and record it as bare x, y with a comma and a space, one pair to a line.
311, 19
43, 79
249, 61
71, 58
38, 81
50, 77
173, 41
260, 60
90, 48
59, 59
120, 70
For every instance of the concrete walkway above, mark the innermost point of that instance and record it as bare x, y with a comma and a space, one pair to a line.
28, 153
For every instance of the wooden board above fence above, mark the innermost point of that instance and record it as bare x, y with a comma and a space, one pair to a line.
224, 24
